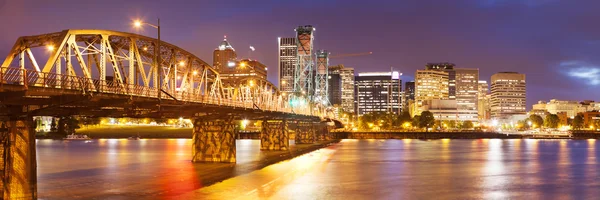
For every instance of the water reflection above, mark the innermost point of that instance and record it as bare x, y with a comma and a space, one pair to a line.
351, 169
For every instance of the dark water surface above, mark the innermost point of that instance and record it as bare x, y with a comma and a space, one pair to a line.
351, 169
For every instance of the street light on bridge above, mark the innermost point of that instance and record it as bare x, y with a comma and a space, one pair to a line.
157, 58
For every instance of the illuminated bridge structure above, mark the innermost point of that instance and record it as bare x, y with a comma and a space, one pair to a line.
103, 73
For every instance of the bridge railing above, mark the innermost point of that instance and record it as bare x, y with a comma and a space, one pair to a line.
31, 78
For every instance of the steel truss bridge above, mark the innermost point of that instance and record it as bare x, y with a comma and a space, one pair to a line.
103, 73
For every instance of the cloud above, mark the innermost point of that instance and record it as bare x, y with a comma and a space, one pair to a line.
583, 71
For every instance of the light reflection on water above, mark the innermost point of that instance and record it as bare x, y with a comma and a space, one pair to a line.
434, 169
352, 169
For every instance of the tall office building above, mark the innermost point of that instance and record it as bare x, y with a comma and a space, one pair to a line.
429, 84
335, 89
378, 91
447, 67
508, 95
483, 105
287, 63
408, 95
224, 57
347, 86
245, 68
467, 90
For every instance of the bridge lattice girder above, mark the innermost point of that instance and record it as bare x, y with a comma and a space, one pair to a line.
104, 61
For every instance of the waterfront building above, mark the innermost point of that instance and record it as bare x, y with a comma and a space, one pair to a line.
508, 95
483, 100
409, 94
429, 84
467, 91
335, 89
378, 91
449, 110
449, 68
571, 108
286, 63
346, 88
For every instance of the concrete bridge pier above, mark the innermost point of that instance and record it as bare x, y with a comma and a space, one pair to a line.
274, 135
18, 159
214, 139
322, 132
305, 132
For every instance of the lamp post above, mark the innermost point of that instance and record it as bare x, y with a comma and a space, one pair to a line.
157, 57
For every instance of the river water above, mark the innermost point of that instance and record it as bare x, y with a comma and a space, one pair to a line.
351, 169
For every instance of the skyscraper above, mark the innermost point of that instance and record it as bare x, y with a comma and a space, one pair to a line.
347, 86
335, 89
287, 63
447, 67
483, 105
378, 92
467, 90
429, 84
508, 95
224, 57
408, 95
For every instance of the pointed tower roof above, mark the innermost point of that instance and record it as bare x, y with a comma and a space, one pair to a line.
225, 45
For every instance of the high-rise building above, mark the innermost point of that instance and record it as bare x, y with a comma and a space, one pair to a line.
335, 89
508, 95
429, 84
287, 63
409, 93
378, 91
246, 68
483, 101
467, 89
447, 67
224, 57
347, 86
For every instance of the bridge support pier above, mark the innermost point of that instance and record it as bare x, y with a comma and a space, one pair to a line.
305, 133
18, 159
322, 132
214, 140
274, 135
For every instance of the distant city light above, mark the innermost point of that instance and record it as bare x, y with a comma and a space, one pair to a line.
50, 47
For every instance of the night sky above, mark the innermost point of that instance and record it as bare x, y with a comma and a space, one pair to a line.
556, 43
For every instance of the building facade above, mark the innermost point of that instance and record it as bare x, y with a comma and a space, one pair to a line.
335, 89
409, 93
378, 92
508, 95
429, 84
483, 100
449, 68
449, 110
347, 93
245, 68
224, 57
287, 63
467, 91
554, 106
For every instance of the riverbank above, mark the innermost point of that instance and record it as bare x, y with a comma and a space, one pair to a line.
445, 135
113, 131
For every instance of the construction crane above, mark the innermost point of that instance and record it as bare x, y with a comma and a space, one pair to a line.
351, 55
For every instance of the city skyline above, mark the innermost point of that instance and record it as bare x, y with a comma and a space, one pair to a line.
525, 42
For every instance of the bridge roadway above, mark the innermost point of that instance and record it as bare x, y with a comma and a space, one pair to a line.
114, 74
